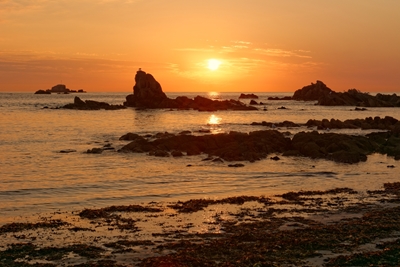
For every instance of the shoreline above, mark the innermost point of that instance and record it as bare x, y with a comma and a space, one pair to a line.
240, 231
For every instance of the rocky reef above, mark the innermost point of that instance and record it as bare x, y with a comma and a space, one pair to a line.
91, 105
326, 97
257, 145
148, 94
59, 89
246, 96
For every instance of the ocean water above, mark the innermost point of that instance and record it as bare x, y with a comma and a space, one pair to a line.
35, 177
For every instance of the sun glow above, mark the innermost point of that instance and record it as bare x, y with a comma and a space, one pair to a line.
213, 64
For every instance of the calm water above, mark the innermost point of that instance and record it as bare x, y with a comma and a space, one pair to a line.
35, 177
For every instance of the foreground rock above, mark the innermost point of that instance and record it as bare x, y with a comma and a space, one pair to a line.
326, 97
235, 146
91, 105
147, 93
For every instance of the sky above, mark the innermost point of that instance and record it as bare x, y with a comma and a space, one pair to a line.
255, 45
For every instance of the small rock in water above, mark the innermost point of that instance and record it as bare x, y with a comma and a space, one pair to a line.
67, 150
236, 165
390, 166
218, 160
275, 158
95, 150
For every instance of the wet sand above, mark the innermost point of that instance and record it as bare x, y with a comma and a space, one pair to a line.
338, 227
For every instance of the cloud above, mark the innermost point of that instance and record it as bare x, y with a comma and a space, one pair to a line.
274, 52
46, 62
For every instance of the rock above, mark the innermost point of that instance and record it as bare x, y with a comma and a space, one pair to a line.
185, 132
159, 153
360, 109
248, 96
236, 165
287, 124
42, 92
67, 151
275, 158
387, 123
280, 98
95, 151
130, 137
282, 107
218, 160
79, 104
326, 97
253, 102
233, 146
147, 93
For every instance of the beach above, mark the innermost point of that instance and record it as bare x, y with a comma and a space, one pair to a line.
338, 227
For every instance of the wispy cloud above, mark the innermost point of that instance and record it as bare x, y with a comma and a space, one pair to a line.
242, 58
282, 53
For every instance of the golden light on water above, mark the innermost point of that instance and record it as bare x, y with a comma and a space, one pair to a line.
214, 120
213, 95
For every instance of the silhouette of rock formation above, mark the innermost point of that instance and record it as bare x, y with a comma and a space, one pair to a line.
147, 93
91, 105
248, 96
326, 97
253, 146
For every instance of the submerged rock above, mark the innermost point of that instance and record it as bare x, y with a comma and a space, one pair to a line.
147, 93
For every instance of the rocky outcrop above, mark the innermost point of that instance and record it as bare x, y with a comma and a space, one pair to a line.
91, 105
287, 124
246, 96
233, 146
326, 97
147, 93
42, 92
386, 123
236, 146
60, 89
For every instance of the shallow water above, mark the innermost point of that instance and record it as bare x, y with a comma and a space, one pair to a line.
36, 177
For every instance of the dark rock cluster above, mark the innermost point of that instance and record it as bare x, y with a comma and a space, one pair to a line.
91, 105
248, 96
326, 97
147, 93
386, 123
236, 146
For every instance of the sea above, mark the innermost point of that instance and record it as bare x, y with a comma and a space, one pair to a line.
45, 167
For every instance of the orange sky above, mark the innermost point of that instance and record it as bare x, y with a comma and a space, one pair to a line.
263, 45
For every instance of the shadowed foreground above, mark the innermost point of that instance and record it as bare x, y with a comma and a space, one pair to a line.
338, 227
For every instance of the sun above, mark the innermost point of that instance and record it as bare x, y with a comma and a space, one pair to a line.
213, 64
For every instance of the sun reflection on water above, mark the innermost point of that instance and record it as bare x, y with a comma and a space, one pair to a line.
213, 95
214, 120
214, 123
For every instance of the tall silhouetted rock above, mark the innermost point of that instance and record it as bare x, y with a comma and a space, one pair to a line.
147, 93
312, 92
